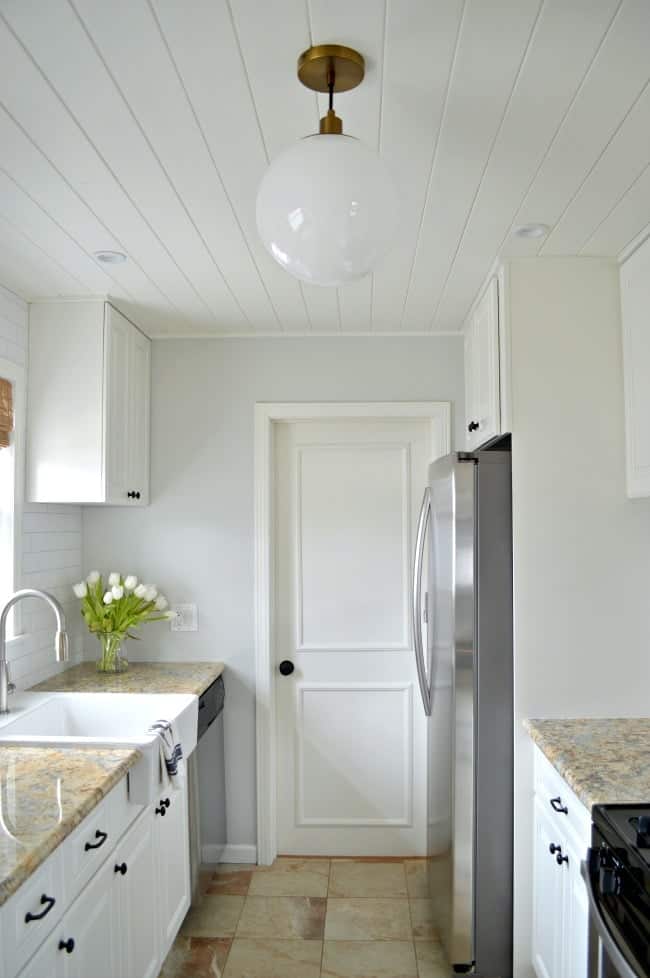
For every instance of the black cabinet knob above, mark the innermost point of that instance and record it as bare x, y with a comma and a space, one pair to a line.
553, 848
286, 667
67, 946
133, 494
473, 426
161, 811
559, 859
121, 868
165, 802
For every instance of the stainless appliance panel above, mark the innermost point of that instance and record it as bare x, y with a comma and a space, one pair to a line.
451, 636
469, 658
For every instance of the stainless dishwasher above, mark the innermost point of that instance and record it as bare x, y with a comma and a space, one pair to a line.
207, 782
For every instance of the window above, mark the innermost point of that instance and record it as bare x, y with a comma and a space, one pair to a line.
11, 487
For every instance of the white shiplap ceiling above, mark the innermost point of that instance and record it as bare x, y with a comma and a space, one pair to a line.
144, 126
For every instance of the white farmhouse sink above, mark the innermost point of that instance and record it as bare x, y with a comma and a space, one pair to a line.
104, 719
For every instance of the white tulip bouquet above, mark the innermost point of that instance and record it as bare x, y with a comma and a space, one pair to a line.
111, 612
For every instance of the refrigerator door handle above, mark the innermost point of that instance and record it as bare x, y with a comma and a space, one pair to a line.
416, 606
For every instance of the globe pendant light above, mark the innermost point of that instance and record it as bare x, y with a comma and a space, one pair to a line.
326, 207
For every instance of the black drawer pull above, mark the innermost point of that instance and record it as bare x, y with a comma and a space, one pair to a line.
473, 426
161, 811
121, 868
102, 836
557, 806
559, 859
47, 903
553, 848
67, 946
165, 801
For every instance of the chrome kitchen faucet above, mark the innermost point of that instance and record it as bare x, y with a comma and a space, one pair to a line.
61, 645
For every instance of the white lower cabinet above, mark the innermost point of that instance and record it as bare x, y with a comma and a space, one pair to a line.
562, 831
122, 922
173, 885
137, 899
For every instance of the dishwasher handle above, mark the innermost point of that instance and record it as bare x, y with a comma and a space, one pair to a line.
608, 956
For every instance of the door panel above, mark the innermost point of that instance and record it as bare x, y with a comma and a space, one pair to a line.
351, 728
370, 785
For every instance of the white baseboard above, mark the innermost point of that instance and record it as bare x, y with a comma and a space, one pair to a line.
211, 853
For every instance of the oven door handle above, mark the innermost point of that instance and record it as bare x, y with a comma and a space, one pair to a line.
618, 962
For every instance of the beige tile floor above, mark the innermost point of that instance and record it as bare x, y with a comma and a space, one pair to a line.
310, 918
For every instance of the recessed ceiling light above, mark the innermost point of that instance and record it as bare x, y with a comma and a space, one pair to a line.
532, 230
110, 257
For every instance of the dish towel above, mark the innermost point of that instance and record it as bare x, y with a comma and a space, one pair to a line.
171, 753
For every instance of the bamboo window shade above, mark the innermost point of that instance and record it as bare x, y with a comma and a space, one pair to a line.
6, 412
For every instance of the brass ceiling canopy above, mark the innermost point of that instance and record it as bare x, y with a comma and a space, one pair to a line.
331, 68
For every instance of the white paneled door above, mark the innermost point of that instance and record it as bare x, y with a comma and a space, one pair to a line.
351, 732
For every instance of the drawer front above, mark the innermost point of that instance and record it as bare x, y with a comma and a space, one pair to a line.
560, 800
89, 845
27, 918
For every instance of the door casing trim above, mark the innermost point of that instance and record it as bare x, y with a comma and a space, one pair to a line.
267, 415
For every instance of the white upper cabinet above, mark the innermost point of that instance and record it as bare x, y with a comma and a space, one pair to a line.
635, 312
88, 405
482, 390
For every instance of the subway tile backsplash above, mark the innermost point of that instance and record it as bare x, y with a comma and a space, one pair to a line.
50, 545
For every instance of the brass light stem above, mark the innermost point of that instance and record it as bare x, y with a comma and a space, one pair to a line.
330, 124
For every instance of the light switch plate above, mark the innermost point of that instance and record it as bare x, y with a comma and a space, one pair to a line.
187, 618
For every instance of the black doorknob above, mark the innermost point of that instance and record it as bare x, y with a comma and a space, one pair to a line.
473, 426
286, 667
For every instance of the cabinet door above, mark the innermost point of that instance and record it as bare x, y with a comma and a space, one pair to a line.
482, 371
635, 316
92, 924
172, 847
547, 897
117, 338
138, 898
47, 962
575, 936
139, 397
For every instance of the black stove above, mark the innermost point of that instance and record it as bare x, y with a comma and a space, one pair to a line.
618, 880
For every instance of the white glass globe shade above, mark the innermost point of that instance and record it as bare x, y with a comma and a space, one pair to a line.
327, 209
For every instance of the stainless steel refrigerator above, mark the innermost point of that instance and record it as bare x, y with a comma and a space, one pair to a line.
462, 622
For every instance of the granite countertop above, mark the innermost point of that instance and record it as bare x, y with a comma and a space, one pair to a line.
44, 794
604, 761
141, 677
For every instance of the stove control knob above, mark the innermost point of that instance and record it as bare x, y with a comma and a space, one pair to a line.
608, 880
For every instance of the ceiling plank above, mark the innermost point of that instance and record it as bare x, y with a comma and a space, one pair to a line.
614, 81
566, 36
40, 271
42, 116
625, 221
420, 43
361, 26
222, 100
64, 53
272, 35
492, 45
620, 165
127, 35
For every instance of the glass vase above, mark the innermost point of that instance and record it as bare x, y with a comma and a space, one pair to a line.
112, 658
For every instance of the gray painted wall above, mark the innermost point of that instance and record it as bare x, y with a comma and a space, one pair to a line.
195, 540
